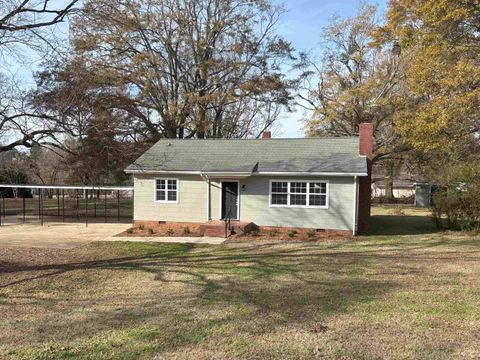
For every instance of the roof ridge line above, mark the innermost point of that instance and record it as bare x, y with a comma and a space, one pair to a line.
272, 139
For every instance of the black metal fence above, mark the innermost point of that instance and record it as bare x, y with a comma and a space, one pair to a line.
40, 204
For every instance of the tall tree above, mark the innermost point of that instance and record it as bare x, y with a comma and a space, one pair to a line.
442, 42
353, 83
24, 24
187, 68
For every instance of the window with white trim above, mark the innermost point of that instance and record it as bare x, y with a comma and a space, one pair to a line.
166, 190
299, 193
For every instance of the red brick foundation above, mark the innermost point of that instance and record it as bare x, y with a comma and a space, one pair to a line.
326, 232
162, 227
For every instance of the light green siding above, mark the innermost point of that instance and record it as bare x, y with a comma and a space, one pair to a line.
215, 194
192, 200
254, 203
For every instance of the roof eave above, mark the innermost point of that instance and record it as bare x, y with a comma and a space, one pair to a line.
307, 173
245, 174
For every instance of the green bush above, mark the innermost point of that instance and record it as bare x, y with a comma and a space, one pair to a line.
292, 233
141, 227
129, 231
151, 232
311, 233
186, 230
274, 232
457, 207
170, 232
254, 232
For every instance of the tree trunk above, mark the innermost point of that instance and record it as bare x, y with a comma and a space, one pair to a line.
389, 189
390, 168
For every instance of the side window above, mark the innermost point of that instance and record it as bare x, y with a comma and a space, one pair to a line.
299, 193
166, 190
279, 193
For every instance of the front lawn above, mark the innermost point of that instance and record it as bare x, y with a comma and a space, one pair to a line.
382, 296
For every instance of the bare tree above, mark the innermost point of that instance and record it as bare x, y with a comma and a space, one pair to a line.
22, 24
22, 21
353, 83
186, 68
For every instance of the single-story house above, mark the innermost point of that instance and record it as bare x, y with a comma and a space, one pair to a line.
318, 183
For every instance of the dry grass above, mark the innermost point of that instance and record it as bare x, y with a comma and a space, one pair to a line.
412, 296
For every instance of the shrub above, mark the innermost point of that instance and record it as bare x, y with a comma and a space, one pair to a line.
311, 233
274, 232
292, 233
129, 231
254, 232
170, 232
141, 227
151, 232
456, 192
186, 230
457, 207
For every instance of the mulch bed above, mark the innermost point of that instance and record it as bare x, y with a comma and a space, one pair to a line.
292, 235
162, 230
193, 230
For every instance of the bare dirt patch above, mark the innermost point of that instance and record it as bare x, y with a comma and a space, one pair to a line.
57, 235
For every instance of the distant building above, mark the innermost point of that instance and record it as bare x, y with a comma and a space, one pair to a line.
401, 188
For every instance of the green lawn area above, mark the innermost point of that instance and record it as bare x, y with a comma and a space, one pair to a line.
403, 292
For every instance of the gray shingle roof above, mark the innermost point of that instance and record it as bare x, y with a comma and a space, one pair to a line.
325, 155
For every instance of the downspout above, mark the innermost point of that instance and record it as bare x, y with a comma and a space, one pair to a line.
355, 206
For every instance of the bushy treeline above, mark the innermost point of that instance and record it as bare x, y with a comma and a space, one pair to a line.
456, 198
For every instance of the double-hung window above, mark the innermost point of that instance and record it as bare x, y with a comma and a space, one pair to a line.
299, 193
166, 190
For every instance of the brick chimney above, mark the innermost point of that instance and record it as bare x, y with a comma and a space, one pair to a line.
266, 135
365, 144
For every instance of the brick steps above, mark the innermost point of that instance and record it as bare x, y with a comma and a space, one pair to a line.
216, 228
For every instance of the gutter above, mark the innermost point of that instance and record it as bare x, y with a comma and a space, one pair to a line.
244, 174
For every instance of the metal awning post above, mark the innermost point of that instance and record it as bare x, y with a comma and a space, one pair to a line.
86, 207
41, 207
78, 205
58, 202
118, 204
63, 205
95, 203
23, 207
39, 202
105, 198
4, 209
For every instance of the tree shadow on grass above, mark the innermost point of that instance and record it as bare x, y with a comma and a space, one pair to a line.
224, 292
256, 290
401, 225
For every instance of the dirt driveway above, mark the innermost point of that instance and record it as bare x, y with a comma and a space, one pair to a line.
57, 235
71, 235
